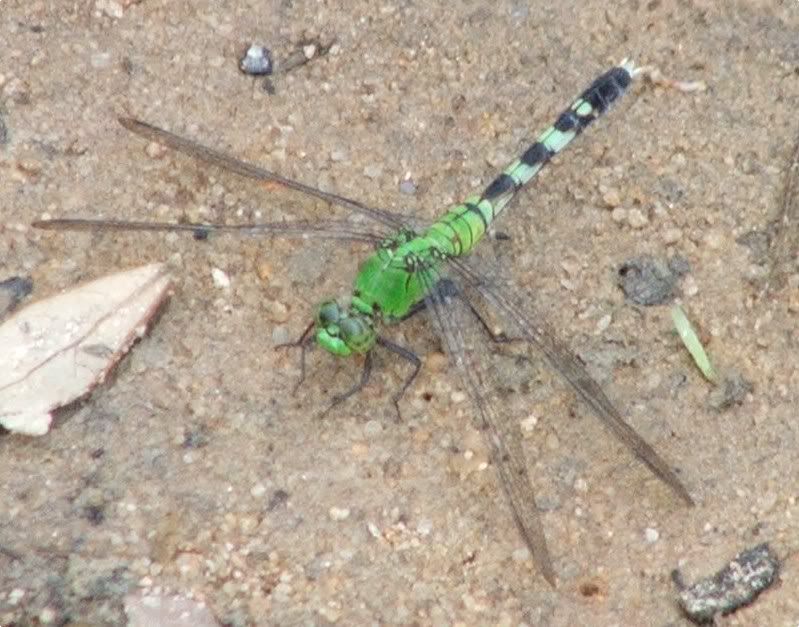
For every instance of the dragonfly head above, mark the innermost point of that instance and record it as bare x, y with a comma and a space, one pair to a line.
344, 331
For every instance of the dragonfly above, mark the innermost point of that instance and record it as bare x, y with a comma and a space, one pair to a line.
432, 269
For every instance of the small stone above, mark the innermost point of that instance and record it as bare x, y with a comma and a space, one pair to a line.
457, 397
690, 288
521, 554
372, 428
603, 323
649, 280
714, 239
738, 584
373, 170
612, 198
407, 187
221, 280
337, 154
280, 335
278, 312
651, 535
31, 167
330, 614
672, 236
257, 61
424, 527
637, 219
436, 362
529, 423
110, 8
154, 150
283, 590
264, 271
339, 513
47, 616
258, 490
100, 60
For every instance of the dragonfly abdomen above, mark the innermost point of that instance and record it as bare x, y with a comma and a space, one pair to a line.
459, 230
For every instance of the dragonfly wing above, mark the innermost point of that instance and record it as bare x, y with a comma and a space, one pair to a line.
331, 229
503, 436
242, 168
532, 328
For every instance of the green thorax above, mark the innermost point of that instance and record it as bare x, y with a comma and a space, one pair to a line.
396, 277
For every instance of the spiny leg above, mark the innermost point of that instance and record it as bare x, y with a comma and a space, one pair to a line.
302, 342
366, 373
447, 288
408, 356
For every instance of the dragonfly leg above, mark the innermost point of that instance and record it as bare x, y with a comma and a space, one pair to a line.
448, 288
366, 373
302, 343
408, 356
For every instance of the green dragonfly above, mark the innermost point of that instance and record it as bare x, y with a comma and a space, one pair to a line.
430, 269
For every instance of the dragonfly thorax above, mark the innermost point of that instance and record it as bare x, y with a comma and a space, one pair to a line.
345, 330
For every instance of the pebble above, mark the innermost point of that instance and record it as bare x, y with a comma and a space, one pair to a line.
339, 513
372, 428
278, 312
424, 527
264, 271
373, 170
47, 616
29, 166
612, 198
651, 535
619, 215
457, 397
636, 219
407, 187
100, 60
528, 424
436, 362
154, 150
672, 236
689, 287
521, 554
714, 239
110, 8
280, 335
603, 323
257, 61
373, 530
337, 154
221, 280
258, 490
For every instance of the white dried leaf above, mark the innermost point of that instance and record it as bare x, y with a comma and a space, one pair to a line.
56, 350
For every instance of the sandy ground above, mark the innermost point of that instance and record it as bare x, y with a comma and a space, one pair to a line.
195, 472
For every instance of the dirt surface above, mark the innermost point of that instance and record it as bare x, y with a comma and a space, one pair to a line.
195, 472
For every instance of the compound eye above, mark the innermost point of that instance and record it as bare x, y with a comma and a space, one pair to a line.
349, 328
328, 313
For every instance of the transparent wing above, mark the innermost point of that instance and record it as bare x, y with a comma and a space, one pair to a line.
514, 309
331, 229
226, 162
502, 435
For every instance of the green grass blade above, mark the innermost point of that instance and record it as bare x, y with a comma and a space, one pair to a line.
691, 341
